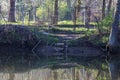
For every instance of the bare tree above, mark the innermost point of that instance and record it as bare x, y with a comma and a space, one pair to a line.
103, 9
109, 7
69, 14
11, 16
55, 17
76, 11
88, 13
113, 43
0, 12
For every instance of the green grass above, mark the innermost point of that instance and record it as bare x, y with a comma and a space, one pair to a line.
17, 22
46, 39
26, 22
61, 30
70, 22
70, 30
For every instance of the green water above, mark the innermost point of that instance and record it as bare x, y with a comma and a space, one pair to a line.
31, 68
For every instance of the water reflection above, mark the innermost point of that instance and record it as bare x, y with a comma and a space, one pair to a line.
30, 68
114, 65
48, 74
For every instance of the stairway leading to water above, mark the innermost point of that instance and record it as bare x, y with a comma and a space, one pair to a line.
61, 49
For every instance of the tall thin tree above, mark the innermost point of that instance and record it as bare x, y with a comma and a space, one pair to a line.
55, 17
103, 8
88, 13
11, 15
69, 11
76, 11
113, 43
109, 7
0, 11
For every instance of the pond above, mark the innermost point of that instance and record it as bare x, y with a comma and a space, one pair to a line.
32, 68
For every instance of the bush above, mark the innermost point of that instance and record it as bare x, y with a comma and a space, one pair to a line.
105, 25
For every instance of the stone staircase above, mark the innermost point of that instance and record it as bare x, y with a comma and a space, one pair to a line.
59, 48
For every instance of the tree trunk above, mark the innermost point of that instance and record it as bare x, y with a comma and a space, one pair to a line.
113, 44
68, 4
0, 13
55, 17
76, 12
69, 11
74, 18
103, 9
11, 16
109, 7
22, 13
88, 13
34, 13
78, 9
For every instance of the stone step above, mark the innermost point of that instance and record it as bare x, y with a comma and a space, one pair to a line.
59, 44
58, 49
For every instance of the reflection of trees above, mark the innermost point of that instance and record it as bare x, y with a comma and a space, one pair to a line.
114, 71
11, 73
62, 74
58, 74
114, 65
31, 70
80, 74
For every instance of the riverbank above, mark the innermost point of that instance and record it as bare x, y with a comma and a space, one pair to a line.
25, 37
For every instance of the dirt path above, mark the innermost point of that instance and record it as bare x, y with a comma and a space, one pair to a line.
70, 36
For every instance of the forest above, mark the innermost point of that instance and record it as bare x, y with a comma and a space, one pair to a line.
77, 37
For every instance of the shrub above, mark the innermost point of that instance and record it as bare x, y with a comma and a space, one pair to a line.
105, 24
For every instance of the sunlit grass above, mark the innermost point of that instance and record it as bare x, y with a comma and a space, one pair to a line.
17, 22
69, 30
26, 22
65, 29
70, 22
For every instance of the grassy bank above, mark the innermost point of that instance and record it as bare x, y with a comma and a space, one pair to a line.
29, 36
20, 36
69, 30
